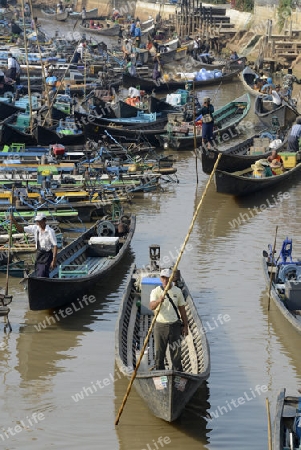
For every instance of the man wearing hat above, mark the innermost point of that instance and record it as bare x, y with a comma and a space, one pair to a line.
168, 324
46, 244
208, 121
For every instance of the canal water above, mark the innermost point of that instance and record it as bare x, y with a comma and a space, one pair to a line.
59, 384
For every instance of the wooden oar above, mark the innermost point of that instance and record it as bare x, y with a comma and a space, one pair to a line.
271, 274
269, 423
165, 291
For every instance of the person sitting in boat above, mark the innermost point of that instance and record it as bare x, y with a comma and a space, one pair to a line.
234, 56
277, 167
267, 87
276, 96
275, 156
46, 244
258, 84
294, 136
167, 328
261, 169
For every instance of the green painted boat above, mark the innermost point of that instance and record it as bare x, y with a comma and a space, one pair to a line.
53, 214
180, 136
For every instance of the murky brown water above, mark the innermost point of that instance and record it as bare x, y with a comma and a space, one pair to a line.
42, 371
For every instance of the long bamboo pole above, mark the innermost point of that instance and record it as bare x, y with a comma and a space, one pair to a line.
27, 67
269, 424
166, 290
271, 275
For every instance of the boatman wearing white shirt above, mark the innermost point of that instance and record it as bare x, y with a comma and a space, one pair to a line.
167, 328
46, 244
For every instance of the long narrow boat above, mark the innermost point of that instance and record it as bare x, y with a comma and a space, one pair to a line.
81, 264
113, 30
287, 422
149, 85
93, 128
285, 114
248, 76
90, 14
237, 157
242, 182
51, 14
285, 288
226, 120
166, 392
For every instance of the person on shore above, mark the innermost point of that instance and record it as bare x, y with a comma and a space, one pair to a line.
294, 136
13, 68
84, 16
288, 81
157, 70
196, 47
46, 244
16, 13
59, 7
26, 10
167, 328
207, 122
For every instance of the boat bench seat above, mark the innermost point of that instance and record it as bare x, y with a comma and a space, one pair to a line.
73, 271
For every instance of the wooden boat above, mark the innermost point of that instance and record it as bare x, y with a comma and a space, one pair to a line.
90, 14
287, 422
242, 182
50, 13
67, 133
284, 115
248, 76
149, 85
16, 129
285, 287
15, 269
81, 264
181, 136
113, 30
93, 128
237, 157
165, 392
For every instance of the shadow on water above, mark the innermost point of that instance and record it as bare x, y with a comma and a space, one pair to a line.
189, 431
46, 336
285, 334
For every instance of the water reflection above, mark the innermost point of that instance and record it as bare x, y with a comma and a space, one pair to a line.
189, 431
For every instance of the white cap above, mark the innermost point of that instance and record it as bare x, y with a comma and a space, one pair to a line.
39, 217
165, 273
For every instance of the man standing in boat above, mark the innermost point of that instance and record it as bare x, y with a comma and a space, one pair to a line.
46, 244
168, 328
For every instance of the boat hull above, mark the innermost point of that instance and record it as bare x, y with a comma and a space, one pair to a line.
285, 114
54, 292
165, 392
238, 185
150, 85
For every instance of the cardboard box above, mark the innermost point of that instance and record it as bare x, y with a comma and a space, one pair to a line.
103, 246
289, 159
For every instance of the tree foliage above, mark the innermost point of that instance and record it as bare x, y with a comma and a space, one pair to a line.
284, 11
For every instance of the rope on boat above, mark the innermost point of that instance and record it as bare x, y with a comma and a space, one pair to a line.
175, 267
